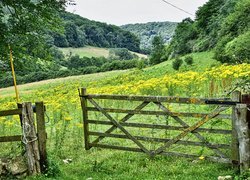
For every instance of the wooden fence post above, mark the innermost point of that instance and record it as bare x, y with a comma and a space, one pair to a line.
243, 136
41, 133
83, 92
246, 100
236, 96
30, 139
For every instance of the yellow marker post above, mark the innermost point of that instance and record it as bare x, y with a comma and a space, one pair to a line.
13, 74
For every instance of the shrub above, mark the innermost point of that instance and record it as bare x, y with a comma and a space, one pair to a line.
177, 63
140, 64
189, 60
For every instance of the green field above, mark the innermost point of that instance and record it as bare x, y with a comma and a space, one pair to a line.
87, 51
65, 132
90, 51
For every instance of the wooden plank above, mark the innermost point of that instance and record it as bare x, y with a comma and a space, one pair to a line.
236, 96
243, 133
11, 138
158, 126
124, 119
209, 158
157, 99
199, 136
116, 147
190, 129
83, 92
30, 139
160, 113
41, 134
118, 125
159, 140
10, 112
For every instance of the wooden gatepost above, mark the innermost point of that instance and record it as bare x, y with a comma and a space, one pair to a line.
33, 135
242, 127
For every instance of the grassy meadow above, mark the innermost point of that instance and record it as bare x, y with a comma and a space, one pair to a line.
87, 51
91, 51
205, 78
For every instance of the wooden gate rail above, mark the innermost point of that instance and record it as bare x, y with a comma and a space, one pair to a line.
35, 139
185, 129
179, 100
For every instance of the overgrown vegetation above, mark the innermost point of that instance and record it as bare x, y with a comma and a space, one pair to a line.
222, 25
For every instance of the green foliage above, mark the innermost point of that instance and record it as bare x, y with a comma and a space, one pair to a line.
80, 31
146, 32
75, 37
75, 62
158, 51
235, 35
52, 169
221, 25
119, 65
176, 64
237, 50
140, 64
189, 60
24, 23
121, 54
183, 39
207, 13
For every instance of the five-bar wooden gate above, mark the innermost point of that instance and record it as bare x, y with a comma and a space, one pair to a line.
218, 109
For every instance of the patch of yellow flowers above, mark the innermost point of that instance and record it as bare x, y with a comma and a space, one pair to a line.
63, 102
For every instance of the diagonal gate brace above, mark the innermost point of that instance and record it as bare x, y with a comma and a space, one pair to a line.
118, 125
126, 118
190, 129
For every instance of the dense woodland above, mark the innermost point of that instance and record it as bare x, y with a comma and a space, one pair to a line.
220, 25
79, 31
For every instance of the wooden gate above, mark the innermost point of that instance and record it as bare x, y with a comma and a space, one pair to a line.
199, 127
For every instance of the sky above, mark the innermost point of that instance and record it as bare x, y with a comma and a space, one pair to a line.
120, 12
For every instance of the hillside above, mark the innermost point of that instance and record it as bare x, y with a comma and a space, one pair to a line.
221, 25
81, 32
147, 31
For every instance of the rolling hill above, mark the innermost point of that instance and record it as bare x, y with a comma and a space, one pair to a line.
147, 31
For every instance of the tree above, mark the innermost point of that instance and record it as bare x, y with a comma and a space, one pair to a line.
24, 22
184, 37
158, 51
121, 54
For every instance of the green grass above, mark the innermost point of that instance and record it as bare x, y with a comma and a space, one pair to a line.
87, 51
90, 51
118, 165
202, 61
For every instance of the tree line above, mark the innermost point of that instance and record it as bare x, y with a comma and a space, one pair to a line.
79, 32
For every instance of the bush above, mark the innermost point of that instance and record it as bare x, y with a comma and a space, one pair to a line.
238, 49
140, 64
189, 60
177, 63
90, 70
